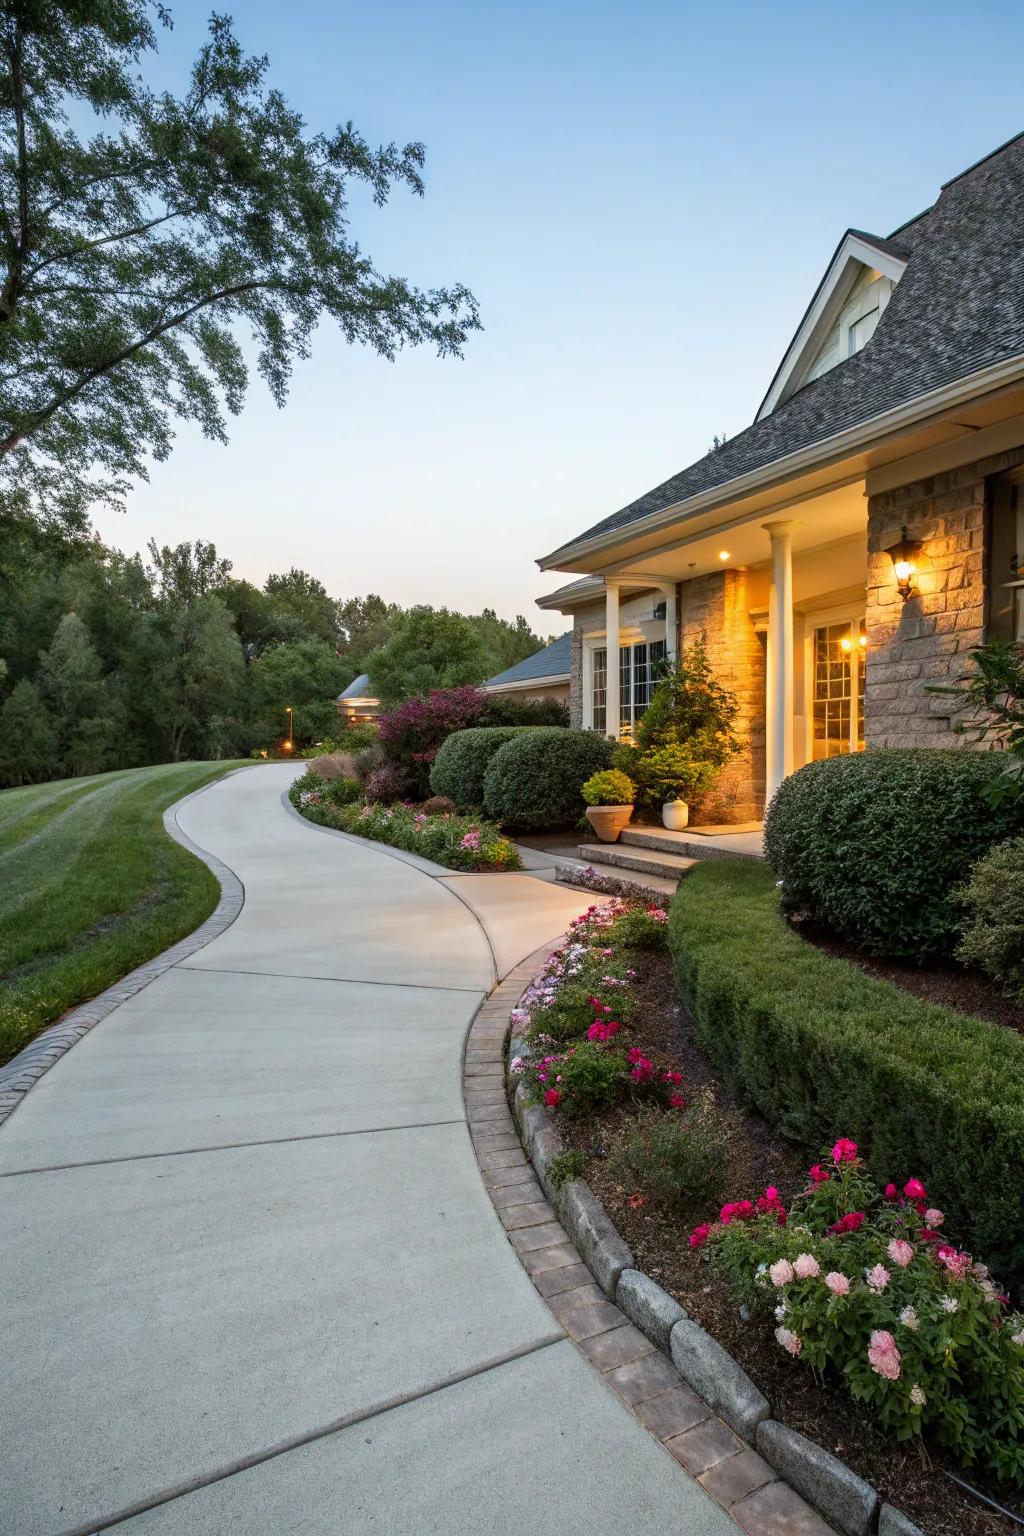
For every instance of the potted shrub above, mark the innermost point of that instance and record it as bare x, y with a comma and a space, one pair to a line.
609, 795
673, 775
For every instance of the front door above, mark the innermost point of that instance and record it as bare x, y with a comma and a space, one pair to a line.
837, 688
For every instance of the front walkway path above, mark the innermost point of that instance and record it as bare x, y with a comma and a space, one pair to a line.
250, 1278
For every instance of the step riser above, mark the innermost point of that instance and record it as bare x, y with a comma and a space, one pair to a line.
656, 884
690, 848
617, 858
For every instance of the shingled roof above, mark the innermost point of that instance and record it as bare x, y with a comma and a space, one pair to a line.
552, 661
958, 308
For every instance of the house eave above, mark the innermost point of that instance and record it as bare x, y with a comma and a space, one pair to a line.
552, 681
912, 413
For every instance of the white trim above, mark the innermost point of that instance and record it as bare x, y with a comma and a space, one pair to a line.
823, 311
533, 682
911, 413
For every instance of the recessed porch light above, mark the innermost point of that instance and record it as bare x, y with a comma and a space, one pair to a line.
723, 554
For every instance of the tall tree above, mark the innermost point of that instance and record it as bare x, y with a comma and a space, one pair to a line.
429, 648
365, 623
305, 676
28, 740
135, 258
306, 599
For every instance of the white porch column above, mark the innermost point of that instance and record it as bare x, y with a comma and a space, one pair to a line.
671, 623
611, 630
779, 710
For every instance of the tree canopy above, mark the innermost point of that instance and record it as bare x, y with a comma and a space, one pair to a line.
149, 242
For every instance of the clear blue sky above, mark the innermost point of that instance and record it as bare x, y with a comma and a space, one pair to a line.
642, 196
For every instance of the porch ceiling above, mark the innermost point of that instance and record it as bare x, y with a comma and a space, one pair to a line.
818, 521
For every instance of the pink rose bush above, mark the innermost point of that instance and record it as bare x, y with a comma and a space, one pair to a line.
862, 1286
576, 1017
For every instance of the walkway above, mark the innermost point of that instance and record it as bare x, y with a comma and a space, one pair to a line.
251, 1279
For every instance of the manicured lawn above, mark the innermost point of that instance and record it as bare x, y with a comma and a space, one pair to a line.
91, 886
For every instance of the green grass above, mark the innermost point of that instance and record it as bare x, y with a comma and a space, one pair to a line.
90, 887
822, 1050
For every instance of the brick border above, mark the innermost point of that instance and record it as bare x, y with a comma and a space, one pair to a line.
676, 1379
25, 1069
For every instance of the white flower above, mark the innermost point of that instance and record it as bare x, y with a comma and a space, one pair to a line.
516, 1064
780, 1312
908, 1317
950, 1304
917, 1397
1018, 1338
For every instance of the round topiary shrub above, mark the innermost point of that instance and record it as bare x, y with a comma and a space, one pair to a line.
462, 760
874, 845
992, 902
535, 781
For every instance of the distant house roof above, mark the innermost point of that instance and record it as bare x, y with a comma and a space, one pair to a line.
957, 309
550, 665
358, 688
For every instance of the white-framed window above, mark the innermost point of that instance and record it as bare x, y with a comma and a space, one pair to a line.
837, 653
638, 663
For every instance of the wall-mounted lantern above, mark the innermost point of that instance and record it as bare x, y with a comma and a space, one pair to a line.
904, 562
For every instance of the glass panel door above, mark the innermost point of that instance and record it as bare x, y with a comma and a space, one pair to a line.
600, 690
838, 696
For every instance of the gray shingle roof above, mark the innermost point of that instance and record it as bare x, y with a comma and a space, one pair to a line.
358, 688
552, 661
958, 307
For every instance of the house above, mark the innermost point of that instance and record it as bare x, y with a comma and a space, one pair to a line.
848, 548
357, 703
544, 675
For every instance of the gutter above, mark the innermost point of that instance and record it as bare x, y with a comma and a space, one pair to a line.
819, 453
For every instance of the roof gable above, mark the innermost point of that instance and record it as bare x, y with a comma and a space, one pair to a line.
857, 255
552, 662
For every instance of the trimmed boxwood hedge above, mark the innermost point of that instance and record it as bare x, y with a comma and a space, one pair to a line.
822, 1050
536, 780
462, 759
874, 845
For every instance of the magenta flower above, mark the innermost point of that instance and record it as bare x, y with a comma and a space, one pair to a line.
844, 1151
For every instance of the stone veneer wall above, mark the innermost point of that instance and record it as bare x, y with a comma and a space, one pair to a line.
925, 640
718, 607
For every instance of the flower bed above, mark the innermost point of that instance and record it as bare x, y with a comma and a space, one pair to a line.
660, 1168
812, 1043
458, 842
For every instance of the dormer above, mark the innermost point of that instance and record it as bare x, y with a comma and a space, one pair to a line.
842, 315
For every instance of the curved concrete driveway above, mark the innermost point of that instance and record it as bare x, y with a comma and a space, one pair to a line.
251, 1279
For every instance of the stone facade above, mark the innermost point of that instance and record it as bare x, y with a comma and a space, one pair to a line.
926, 639
718, 607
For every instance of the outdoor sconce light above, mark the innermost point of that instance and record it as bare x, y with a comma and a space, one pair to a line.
903, 556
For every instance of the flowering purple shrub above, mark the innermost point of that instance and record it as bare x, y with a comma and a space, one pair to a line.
862, 1282
411, 733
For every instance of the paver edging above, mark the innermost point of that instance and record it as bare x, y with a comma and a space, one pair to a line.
711, 1377
23, 1071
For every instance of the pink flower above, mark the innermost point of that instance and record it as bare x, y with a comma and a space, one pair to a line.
700, 1235
806, 1267
636, 1201
844, 1151
671, 1077
914, 1189
958, 1264
900, 1252
877, 1278
790, 1341
737, 1210
677, 1101
635, 1054
782, 1272
818, 1174
552, 1097
883, 1355
852, 1222
837, 1283
934, 1218
891, 1192
471, 840
643, 1070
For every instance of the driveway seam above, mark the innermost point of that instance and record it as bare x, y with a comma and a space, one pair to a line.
227, 1146
23, 1071
296, 1442
345, 981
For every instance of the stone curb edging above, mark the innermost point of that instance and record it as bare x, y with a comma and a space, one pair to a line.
25, 1069
702, 1406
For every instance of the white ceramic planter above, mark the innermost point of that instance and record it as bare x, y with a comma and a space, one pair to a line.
675, 815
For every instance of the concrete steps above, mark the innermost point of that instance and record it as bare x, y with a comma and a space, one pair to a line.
643, 861
686, 845
631, 880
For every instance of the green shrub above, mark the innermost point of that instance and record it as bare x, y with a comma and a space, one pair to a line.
640, 928
461, 762
535, 780
588, 1077
609, 787
993, 925
342, 791
874, 845
677, 1156
566, 1166
816, 1046
507, 709
353, 738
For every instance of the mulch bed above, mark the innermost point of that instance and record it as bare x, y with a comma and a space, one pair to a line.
950, 985
755, 1157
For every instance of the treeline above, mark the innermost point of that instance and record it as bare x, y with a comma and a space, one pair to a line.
108, 660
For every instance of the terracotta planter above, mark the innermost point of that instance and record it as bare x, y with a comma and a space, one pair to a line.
675, 815
609, 820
